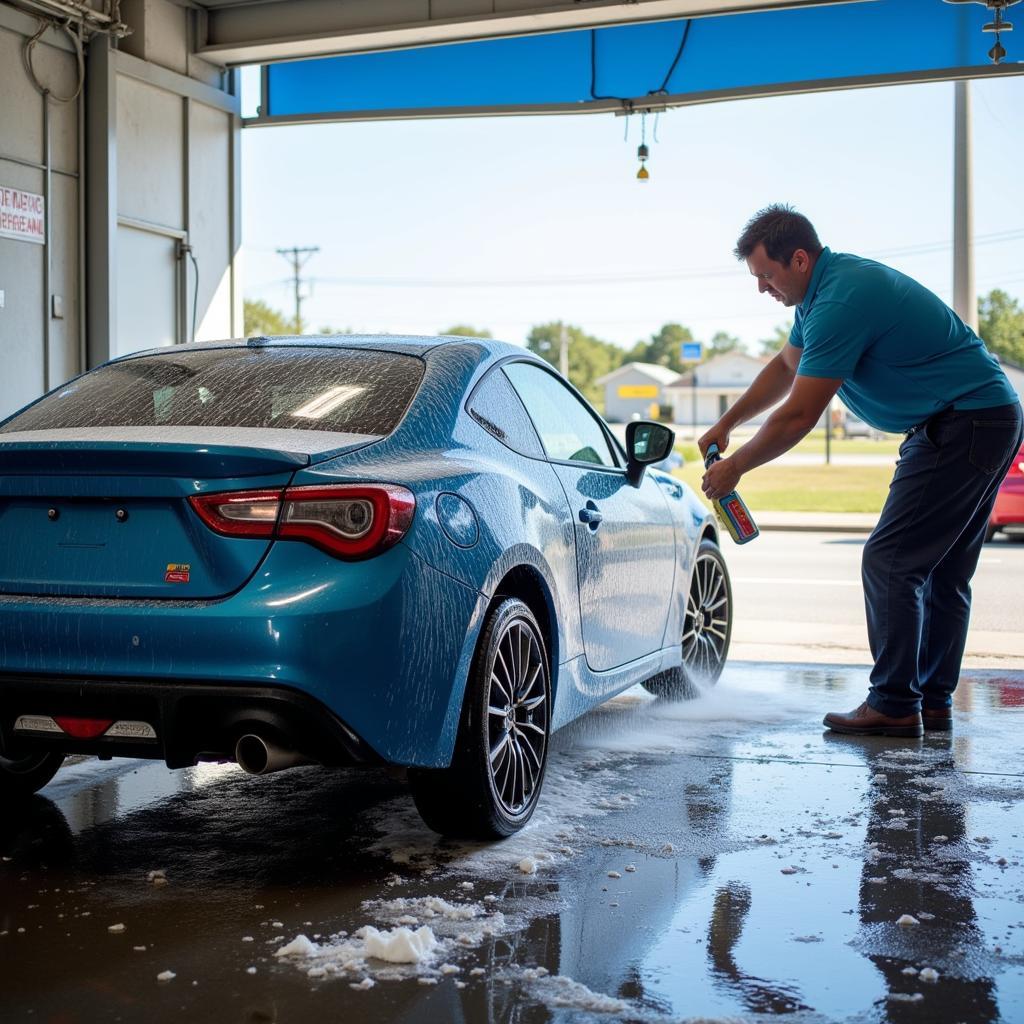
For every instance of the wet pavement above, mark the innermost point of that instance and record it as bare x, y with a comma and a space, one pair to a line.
721, 859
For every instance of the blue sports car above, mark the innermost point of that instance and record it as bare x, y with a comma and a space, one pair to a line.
426, 553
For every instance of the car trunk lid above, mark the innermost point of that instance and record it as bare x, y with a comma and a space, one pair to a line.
104, 512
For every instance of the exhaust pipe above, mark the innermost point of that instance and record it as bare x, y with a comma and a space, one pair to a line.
258, 756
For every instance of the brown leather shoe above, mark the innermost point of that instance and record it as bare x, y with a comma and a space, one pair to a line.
866, 721
937, 719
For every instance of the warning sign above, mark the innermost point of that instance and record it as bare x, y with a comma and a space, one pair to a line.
22, 215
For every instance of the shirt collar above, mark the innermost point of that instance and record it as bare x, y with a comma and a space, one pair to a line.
824, 257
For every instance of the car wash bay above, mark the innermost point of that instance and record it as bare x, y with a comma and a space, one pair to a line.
717, 859
720, 859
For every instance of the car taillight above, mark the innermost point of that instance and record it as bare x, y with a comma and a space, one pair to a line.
345, 520
239, 513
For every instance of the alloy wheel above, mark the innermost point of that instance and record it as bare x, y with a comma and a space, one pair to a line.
706, 625
517, 716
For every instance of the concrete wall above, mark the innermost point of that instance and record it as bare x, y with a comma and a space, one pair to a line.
38, 349
174, 208
156, 132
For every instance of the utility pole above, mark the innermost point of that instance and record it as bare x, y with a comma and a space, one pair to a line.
563, 351
298, 258
965, 297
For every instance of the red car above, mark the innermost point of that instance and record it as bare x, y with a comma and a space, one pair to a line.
1009, 507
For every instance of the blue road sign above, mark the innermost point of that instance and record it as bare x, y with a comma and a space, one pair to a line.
690, 351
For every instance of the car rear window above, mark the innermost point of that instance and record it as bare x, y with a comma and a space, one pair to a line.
335, 389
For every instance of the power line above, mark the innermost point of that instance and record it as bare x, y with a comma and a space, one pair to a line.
298, 257
624, 277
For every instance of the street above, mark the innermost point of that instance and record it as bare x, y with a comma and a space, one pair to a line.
798, 598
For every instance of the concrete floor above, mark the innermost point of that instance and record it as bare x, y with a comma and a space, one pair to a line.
722, 859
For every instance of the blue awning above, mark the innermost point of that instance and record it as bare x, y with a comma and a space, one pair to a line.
645, 65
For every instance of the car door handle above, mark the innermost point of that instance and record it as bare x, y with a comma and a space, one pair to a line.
591, 516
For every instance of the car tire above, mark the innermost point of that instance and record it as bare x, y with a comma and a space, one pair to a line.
707, 629
21, 777
492, 787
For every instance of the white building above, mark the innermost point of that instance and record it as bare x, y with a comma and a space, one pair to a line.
703, 394
633, 389
1015, 374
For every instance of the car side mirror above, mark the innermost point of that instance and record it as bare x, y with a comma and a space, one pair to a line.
646, 442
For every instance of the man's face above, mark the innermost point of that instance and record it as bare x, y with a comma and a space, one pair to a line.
787, 285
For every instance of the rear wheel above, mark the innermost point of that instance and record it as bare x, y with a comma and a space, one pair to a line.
492, 787
707, 629
23, 776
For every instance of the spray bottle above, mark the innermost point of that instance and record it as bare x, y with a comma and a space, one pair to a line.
731, 510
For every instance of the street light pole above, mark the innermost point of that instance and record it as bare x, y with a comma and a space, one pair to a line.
965, 297
298, 258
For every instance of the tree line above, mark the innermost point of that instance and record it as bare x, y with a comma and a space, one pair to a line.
1000, 324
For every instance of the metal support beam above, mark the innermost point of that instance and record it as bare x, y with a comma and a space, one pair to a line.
101, 208
258, 32
47, 237
965, 296
643, 104
235, 228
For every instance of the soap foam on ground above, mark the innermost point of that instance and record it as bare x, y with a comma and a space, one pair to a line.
588, 763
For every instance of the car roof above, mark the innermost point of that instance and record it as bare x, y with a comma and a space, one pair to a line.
402, 344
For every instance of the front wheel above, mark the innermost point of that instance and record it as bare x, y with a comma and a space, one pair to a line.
492, 787
23, 776
707, 629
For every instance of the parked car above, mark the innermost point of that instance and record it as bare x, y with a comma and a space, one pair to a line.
854, 426
1009, 506
381, 551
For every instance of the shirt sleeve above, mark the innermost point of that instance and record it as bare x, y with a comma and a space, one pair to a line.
835, 336
796, 333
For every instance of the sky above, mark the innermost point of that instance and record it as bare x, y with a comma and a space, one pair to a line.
503, 223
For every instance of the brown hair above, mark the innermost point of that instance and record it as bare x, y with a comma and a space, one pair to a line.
782, 231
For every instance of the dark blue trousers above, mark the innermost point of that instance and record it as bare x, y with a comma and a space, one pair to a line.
918, 562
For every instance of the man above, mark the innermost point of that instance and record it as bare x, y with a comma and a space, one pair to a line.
901, 360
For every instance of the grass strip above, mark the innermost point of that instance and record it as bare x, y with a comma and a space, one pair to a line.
775, 488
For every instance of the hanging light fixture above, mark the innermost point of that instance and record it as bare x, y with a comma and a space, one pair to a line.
997, 26
642, 152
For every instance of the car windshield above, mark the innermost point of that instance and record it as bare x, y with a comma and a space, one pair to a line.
334, 389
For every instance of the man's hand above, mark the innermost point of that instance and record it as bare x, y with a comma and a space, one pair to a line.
720, 479
716, 435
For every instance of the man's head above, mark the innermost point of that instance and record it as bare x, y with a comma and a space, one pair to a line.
781, 248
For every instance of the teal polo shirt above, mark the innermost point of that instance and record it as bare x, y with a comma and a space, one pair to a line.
902, 353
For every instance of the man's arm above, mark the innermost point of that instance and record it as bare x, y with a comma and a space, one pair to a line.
769, 386
790, 422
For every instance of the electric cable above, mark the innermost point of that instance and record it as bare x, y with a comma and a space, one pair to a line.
195, 291
29, 48
662, 90
593, 72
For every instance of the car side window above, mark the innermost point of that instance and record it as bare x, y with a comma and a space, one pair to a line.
497, 408
568, 430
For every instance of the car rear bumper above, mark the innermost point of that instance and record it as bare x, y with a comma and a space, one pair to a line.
382, 646
192, 721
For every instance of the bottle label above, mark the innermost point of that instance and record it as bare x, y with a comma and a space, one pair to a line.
738, 514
